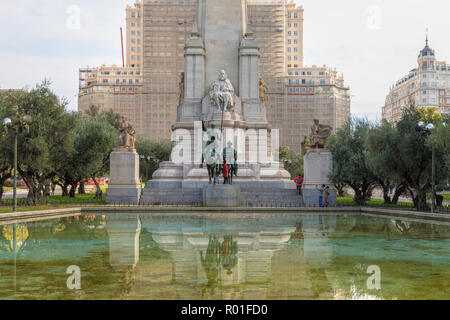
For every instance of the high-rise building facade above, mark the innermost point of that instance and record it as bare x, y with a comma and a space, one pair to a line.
134, 35
278, 27
114, 87
427, 85
294, 38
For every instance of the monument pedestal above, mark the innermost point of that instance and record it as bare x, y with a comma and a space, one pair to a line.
318, 166
124, 186
225, 195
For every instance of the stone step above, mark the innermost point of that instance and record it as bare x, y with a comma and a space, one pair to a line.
250, 197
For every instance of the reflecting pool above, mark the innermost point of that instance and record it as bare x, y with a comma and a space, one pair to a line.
225, 256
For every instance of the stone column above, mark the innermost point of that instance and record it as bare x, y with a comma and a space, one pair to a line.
249, 77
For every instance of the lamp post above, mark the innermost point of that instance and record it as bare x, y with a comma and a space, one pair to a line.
426, 129
17, 123
146, 159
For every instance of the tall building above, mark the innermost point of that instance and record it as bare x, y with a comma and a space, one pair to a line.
427, 85
114, 87
294, 31
165, 27
313, 93
134, 34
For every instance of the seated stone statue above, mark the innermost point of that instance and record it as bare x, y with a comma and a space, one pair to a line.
127, 135
221, 93
319, 135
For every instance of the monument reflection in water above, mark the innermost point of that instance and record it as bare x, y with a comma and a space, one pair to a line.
210, 256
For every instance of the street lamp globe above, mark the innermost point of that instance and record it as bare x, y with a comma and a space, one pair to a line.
430, 126
421, 124
7, 121
27, 119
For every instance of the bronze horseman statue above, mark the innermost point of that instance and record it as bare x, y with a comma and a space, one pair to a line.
319, 135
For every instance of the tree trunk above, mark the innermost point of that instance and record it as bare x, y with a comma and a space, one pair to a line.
46, 192
422, 200
98, 192
81, 189
1, 192
398, 192
73, 190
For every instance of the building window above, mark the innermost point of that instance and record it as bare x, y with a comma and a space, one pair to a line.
322, 81
133, 14
105, 80
133, 24
117, 81
295, 25
137, 81
295, 41
295, 15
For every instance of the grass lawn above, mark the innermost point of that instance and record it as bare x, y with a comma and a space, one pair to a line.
53, 202
342, 201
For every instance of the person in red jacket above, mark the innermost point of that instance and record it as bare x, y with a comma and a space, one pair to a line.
299, 182
225, 172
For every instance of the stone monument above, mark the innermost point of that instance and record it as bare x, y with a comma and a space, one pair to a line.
124, 185
223, 97
318, 164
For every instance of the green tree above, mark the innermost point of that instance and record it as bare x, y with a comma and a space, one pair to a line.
350, 160
157, 150
411, 158
94, 142
381, 144
293, 162
44, 148
440, 139
5, 162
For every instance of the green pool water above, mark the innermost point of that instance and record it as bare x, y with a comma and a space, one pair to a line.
229, 256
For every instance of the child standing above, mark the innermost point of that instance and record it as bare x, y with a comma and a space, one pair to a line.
225, 172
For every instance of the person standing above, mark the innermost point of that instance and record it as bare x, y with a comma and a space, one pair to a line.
299, 182
225, 172
321, 191
326, 197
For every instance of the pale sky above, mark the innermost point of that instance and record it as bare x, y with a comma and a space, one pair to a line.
374, 43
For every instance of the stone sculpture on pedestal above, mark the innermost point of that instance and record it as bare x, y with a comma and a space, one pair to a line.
222, 43
318, 164
124, 186
221, 93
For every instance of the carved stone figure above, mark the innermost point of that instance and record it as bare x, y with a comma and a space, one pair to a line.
262, 90
221, 93
127, 135
181, 87
319, 135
